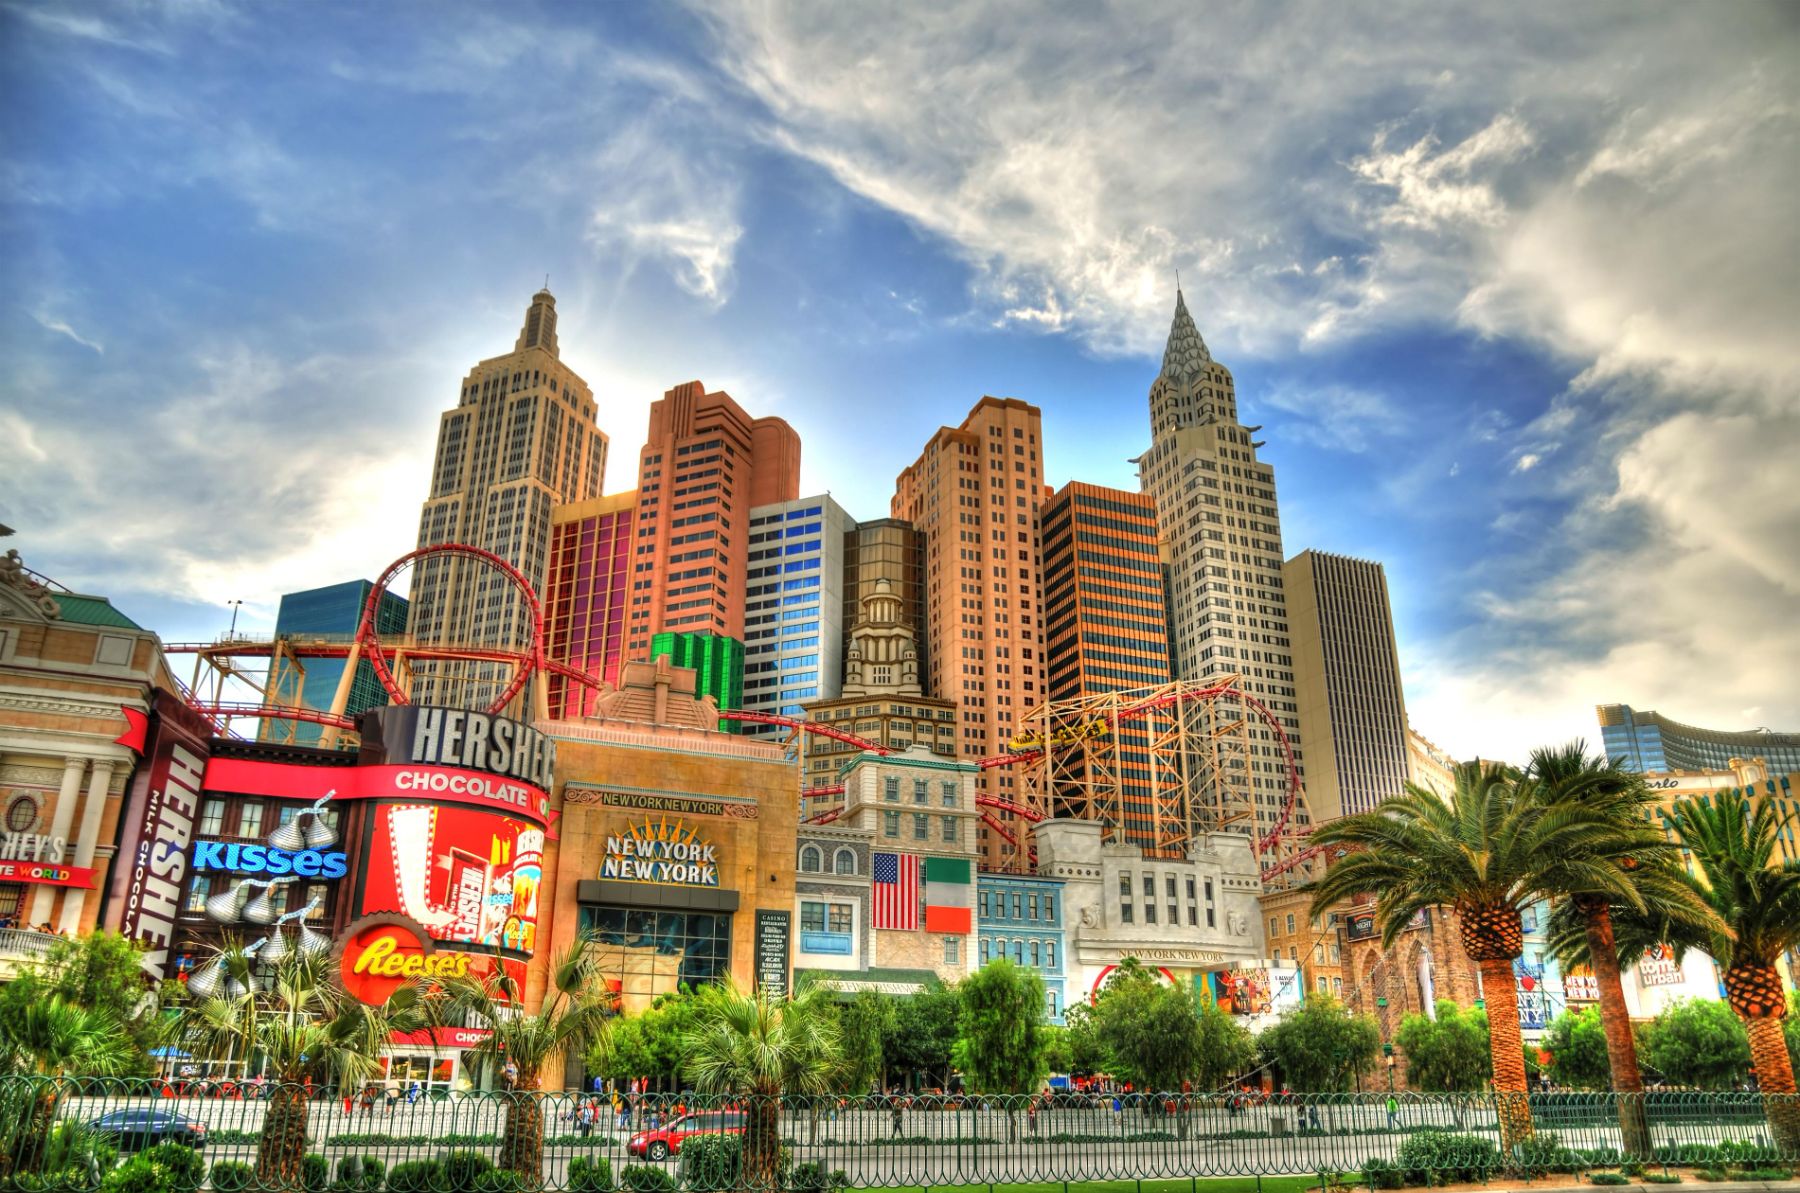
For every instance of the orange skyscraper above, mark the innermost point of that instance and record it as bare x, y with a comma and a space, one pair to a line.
704, 465
973, 495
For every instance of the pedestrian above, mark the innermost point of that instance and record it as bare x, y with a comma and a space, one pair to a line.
1118, 1110
895, 1105
391, 1096
1393, 1109
1031, 1117
412, 1093
368, 1099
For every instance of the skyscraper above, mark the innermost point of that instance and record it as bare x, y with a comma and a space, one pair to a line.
885, 549
1105, 621
1648, 741
793, 618
704, 466
331, 613
1221, 538
1352, 711
716, 661
973, 495
584, 596
522, 439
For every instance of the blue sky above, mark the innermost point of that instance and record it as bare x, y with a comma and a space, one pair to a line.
1512, 292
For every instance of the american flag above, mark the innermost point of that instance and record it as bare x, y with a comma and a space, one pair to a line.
897, 891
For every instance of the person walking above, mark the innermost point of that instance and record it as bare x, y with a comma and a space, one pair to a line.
896, 1105
1393, 1111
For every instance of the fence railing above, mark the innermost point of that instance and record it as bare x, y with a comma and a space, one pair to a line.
259, 1137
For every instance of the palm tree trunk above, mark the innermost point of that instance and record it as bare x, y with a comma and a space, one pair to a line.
762, 1142
522, 1133
1511, 1090
1775, 1079
283, 1144
1615, 1021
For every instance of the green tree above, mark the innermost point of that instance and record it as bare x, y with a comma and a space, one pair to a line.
1086, 1053
1226, 1046
1698, 1042
864, 1023
303, 1025
1579, 1055
1320, 1047
101, 972
50, 1038
648, 1044
1000, 1033
924, 1032
1493, 845
572, 1019
1449, 1054
758, 1048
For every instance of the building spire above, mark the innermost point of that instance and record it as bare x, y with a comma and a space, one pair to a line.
1186, 351
540, 323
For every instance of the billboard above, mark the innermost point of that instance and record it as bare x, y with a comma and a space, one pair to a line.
1659, 968
380, 954
150, 874
466, 875
1580, 985
1241, 991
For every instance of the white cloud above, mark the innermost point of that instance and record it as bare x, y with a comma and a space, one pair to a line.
1526, 462
61, 327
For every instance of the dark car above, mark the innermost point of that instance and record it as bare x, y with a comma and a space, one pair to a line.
665, 1141
135, 1130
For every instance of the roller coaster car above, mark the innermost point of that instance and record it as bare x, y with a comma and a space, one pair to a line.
1068, 735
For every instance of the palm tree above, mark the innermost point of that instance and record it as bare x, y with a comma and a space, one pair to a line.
1756, 904
1494, 845
46, 1040
572, 1021
295, 1016
1570, 773
758, 1048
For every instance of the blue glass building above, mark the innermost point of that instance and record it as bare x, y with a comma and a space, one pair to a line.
332, 613
1020, 918
1649, 742
794, 608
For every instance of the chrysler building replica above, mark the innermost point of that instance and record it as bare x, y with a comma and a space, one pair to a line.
1220, 533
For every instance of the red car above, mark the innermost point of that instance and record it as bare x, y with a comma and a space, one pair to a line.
665, 1141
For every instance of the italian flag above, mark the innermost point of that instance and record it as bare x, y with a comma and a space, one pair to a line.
949, 895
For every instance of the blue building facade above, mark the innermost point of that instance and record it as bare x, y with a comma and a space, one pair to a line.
1021, 918
794, 608
1649, 742
333, 613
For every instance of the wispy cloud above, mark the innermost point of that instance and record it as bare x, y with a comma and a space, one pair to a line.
62, 328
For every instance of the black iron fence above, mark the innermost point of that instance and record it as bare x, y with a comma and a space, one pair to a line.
71, 1136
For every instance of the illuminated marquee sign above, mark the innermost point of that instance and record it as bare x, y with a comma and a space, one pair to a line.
661, 851
48, 875
455, 737
266, 859
385, 952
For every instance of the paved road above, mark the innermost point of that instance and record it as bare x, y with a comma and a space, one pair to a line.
964, 1146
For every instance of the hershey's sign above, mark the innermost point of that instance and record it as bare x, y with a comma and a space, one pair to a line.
456, 737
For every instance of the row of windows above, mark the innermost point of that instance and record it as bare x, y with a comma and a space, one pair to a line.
1037, 954
1025, 905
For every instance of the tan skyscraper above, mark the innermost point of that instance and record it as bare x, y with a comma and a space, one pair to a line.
973, 495
522, 438
1221, 539
1352, 712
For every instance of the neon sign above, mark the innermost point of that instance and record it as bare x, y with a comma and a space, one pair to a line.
266, 859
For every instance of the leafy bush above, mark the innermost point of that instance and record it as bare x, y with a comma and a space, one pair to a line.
140, 1174
646, 1178
505, 1180
374, 1172
1765, 1174
315, 1173
1599, 1157
590, 1175
416, 1176
77, 1152
1434, 1157
1540, 1154
812, 1177
462, 1169
1382, 1174
711, 1162
186, 1169
53, 1180
383, 1139
232, 1176
359, 1174
1608, 1178
1710, 1174
1746, 1153
1662, 1178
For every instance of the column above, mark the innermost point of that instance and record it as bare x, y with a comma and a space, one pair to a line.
45, 896
98, 789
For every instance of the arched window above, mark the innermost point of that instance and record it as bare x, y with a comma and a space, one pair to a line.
844, 861
811, 860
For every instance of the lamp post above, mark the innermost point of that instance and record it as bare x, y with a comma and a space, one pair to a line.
1390, 1069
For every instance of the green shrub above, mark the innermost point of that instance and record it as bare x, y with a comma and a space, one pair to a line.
1382, 1174
74, 1147
710, 1163
232, 1176
1661, 1178
1764, 1174
590, 1175
505, 1180
416, 1176
1608, 1178
1434, 1157
1746, 1153
462, 1169
1710, 1174
646, 1178
1541, 1154
186, 1169
812, 1177
374, 1173
315, 1173
1599, 1157
52, 1180
140, 1174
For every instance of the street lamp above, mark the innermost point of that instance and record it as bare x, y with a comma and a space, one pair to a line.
1390, 1069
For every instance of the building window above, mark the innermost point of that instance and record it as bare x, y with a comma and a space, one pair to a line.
1034, 954
1050, 907
890, 789
1018, 952
986, 909
950, 795
1050, 1001
825, 917
1149, 912
1031, 906
810, 860
1018, 906
1124, 913
921, 791
844, 861
198, 890
890, 824
212, 817
1174, 913
1194, 915
949, 828
921, 827
1125, 886
1290, 924
952, 950
984, 950
1049, 954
